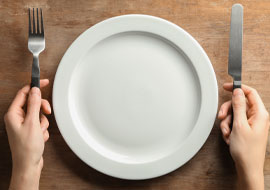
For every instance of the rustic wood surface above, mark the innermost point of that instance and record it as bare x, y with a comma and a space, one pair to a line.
207, 21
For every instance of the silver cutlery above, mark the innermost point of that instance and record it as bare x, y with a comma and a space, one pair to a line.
235, 49
36, 43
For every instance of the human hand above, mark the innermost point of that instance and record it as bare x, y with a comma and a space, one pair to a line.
27, 134
248, 137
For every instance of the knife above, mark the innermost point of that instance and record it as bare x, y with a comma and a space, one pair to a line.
235, 49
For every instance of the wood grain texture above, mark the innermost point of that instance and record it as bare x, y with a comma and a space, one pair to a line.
207, 21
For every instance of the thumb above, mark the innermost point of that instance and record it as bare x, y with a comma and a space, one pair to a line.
33, 105
239, 105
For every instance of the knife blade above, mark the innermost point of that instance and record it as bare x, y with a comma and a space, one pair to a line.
235, 47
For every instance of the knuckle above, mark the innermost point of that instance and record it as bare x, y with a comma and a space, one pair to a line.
31, 123
237, 123
238, 104
20, 92
222, 124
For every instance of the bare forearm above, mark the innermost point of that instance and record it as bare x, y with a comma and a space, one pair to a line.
250, 180
25, 179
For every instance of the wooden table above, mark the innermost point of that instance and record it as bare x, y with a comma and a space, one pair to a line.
207, 21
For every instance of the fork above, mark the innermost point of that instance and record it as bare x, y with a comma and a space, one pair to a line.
36, 44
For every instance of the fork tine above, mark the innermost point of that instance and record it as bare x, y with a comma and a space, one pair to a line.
37, 22
41, 21
29, 15
34, 27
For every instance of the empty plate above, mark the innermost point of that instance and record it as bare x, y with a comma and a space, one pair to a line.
135, 97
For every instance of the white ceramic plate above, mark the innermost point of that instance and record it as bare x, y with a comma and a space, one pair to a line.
135, 97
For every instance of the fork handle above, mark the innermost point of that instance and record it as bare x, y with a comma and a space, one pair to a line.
35, 80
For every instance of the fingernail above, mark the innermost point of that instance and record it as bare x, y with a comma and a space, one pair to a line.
238, 92
35, 90
224, 130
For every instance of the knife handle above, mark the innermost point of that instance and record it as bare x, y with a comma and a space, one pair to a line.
35, 82
236, 84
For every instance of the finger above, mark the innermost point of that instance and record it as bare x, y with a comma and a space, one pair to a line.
44, 123
239, 107
229, 86
44, 82
15, 115
21, 96
225, 125
225, 109
46, 136
225, 128
253, 97
33, 106
45, 106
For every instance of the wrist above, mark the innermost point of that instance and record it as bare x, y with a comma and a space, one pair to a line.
25, 178
250, 179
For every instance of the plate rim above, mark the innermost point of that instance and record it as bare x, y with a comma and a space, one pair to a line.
132, 171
